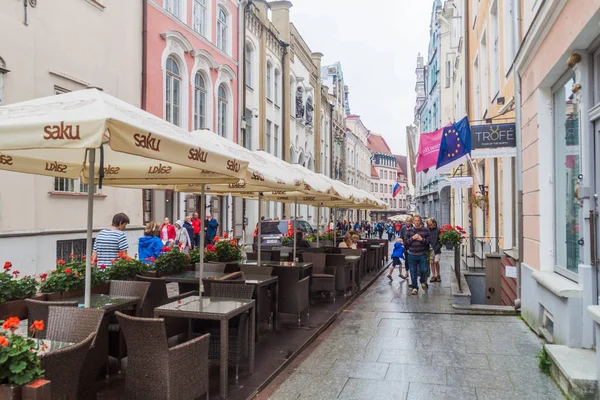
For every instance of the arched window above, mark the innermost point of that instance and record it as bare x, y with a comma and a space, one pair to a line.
172, 92
269, 81
309, 111
199, 102
276, 87
222, 111
222, 30
248, 65
293, 97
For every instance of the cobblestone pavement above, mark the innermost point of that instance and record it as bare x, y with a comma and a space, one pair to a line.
392, 345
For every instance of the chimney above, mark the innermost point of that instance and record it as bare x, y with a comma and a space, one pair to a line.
316, 58
261, 6
280, 14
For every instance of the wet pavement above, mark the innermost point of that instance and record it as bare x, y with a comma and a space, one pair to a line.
393, 345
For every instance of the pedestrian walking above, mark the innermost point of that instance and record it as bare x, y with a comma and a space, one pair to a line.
390, 232
397, 255
380, 228
182, 238
187, 224
150, 245
167, 232
110, 242
403, 234
436, 250
210, 225
397, 227
417, 246
196, 223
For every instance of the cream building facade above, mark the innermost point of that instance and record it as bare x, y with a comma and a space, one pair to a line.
358, 157
43, 218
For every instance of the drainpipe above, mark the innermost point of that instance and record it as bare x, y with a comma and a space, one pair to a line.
144, 53
467, 102
519, 159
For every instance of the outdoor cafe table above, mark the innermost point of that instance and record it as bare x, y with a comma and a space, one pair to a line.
355, 260
189, 280
109, 303
304, 268
215, 309
45, 346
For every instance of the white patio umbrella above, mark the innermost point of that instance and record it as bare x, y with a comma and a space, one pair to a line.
58, 136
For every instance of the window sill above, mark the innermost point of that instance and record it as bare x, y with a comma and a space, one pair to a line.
73, 194
557, 284
96, 4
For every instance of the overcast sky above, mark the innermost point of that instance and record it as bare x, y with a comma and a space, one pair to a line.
377, 45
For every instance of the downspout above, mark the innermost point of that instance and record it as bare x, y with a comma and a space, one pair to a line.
519, 158
283, 97
144, 53
242, 98
467, 102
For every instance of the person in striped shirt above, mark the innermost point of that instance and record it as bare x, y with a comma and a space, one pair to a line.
110, 242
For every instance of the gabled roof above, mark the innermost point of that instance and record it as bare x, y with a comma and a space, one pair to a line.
401, 163
374, 173
377, 144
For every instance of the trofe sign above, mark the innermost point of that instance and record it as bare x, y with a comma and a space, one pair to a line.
493, 140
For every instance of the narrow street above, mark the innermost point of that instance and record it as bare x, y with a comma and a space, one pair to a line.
392, 345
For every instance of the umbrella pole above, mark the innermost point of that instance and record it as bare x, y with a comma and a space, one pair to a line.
90, 226
295, 219
318, 222
259, 233
334, 227
202, 233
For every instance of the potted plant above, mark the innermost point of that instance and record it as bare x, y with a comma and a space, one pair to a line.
451, 235
14, 291
480, 200
210, 254
228, 252
68, 279
125, 269
20, 364
171, 261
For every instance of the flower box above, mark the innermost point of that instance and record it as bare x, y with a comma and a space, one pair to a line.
36, 390
17, 308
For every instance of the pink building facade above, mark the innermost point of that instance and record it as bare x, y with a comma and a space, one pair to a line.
558, 67
191, 79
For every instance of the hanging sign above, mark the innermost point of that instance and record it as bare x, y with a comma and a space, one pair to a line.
463, 182
493, 141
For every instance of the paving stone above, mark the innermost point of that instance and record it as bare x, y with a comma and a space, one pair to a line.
478, 378
398, 356
359, 369
503, 362
496, 394
369, 389
310, 387
363, 354
392, 343
532, 379
460, 359
420, 391
416, 373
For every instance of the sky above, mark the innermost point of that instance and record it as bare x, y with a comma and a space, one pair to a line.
377, 46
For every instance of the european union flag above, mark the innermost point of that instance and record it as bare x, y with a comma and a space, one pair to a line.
456, 142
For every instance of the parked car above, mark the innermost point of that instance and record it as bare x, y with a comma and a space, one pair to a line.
273, 232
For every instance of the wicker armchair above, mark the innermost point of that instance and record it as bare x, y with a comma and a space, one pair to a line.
254, 270
343, 277
116, 343
209, 283
38, 311
293, 294
157, 372
74, 325
63, 368
361, 265
212, 267
323, 277
238, 327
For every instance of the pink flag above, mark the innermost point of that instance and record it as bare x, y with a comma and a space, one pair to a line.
429, 147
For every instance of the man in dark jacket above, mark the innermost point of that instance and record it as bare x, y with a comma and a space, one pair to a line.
436, 250
187, 224
417, 245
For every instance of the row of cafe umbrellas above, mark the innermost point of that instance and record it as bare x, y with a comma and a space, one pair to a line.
59, 136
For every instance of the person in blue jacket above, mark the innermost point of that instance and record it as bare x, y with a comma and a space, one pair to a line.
211, 225
397, 255
150, 245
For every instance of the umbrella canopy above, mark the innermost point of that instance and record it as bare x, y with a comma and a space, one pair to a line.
401, 217
50, 136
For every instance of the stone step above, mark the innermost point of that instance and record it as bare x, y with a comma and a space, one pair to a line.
574, 370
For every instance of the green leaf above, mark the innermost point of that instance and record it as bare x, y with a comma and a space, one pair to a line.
18, 366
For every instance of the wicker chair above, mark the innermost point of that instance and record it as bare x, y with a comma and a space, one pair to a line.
74, 325
323, 277
212, 267
209, 283
254, 270
38, 311
361, 265
116, 343
238, 327
157, 372
63, 367
293, 294
343, 277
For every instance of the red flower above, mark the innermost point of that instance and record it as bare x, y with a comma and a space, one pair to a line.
7, 265
16, 273
37, 326
60, 261
102, 266
165, 249
216, 238
113, 261
225, 235
11, 323
83, 257
68, 271
458, 228
3, 341
43, 277
210, 248
152, 259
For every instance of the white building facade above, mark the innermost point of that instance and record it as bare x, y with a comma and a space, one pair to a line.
43, 218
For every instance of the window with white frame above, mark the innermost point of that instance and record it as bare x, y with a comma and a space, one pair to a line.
172, 92
567, 212
476, 89
483, 69
474, 6
508, 35
276, 141
494, 50
268, 137
199, 17
276, 86
199, 102
222, 111
222, 29
248, 64
269, 81
381, 187
172, 6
